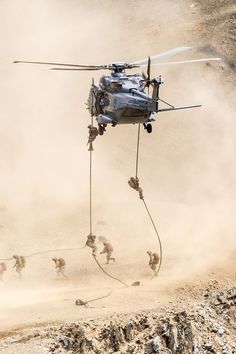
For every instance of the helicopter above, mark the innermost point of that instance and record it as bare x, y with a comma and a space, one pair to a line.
120, 98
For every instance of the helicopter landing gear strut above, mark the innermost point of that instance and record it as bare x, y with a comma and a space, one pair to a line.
148, 127
101, 128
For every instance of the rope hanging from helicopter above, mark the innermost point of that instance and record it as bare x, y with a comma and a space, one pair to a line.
46, 251
144, 203
90, 204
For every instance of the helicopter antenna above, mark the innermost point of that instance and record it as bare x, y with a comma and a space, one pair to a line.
148, 71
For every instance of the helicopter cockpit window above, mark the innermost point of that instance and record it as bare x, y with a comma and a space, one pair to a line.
116, 84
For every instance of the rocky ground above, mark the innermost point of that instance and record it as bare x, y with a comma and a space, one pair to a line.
200, 320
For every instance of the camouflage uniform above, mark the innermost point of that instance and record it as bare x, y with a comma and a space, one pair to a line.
91, 243
108, 249
153, 261
93, 133
19, 264
3, 268
60, 266
134, 183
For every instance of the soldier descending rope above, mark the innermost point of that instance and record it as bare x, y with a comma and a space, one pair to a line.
93, 133
134, 183
153, 261
91, 242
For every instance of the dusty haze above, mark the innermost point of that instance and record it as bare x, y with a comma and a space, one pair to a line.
187, 166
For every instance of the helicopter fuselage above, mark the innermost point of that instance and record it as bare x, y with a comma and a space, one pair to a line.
121, 99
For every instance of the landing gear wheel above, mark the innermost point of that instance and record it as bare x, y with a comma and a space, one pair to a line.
149, 128
101, 129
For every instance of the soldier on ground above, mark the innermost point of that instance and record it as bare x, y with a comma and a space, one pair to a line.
60, 265
153, 261
91, 242
93, 133
134, 183
19, 264
3, 268
108, 249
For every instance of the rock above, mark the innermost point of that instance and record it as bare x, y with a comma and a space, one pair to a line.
221, 331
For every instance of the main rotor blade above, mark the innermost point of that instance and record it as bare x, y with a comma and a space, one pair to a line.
61, 64
163, 55
184, 62
78, 69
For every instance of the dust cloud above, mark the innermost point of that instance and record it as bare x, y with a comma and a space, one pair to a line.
187, 166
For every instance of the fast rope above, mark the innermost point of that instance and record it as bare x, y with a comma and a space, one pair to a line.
55, 250
144, 203
137, 154
90, 185
46, 251
80, 302
111, 276
90, 205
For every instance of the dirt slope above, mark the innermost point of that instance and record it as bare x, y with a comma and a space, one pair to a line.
199, 318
